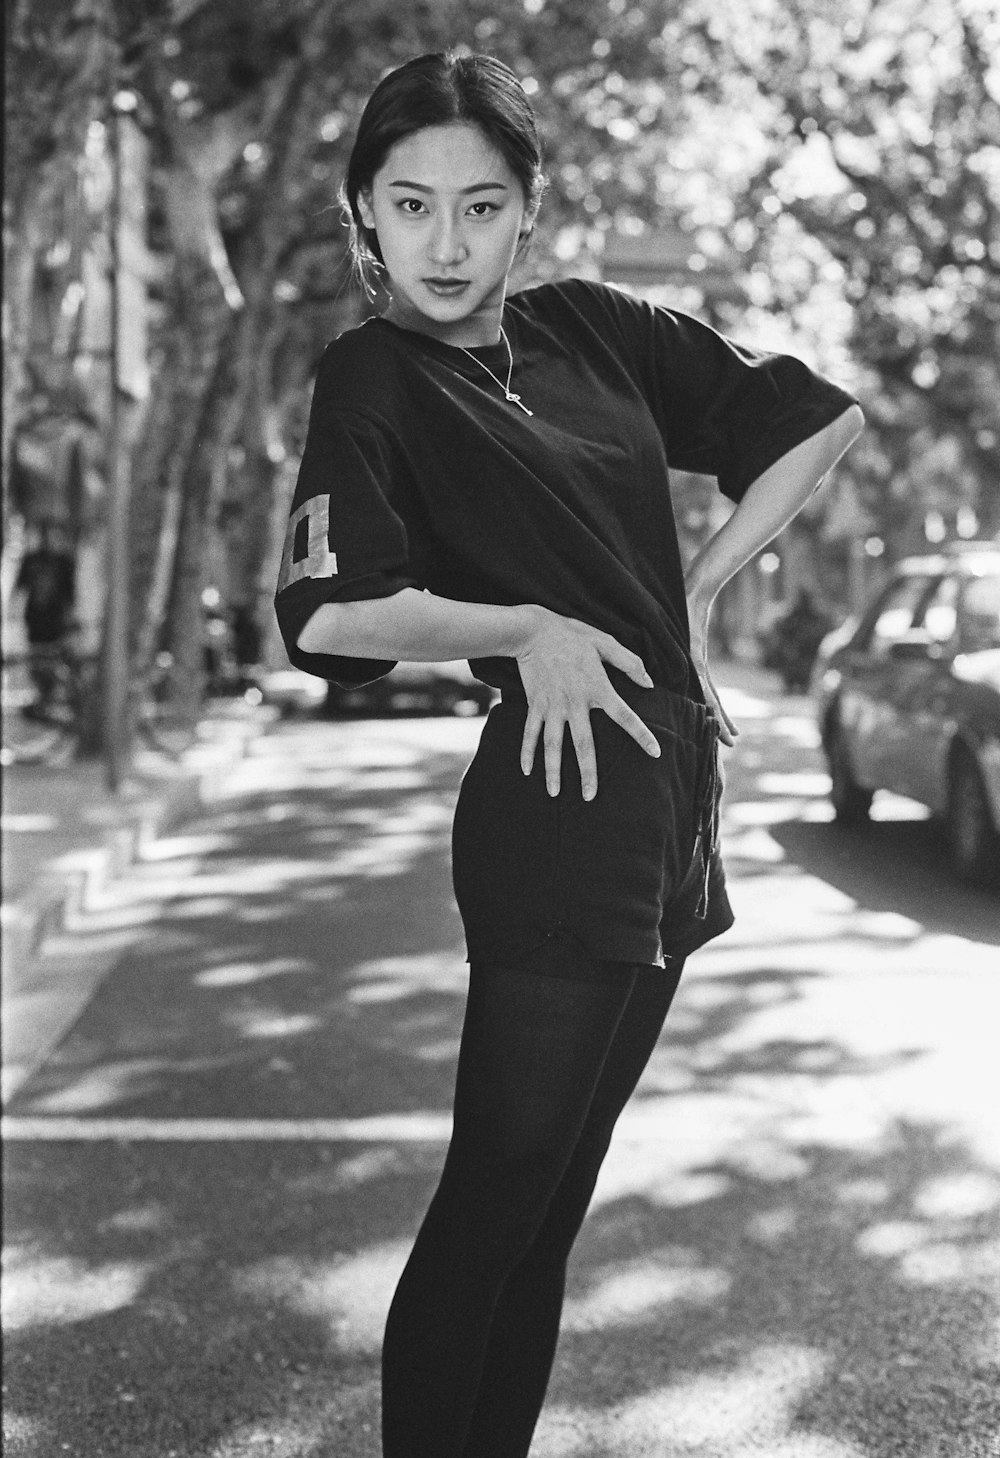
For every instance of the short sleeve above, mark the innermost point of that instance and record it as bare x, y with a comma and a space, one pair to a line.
352, 531
727, 410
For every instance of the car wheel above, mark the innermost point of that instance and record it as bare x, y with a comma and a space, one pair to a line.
442, 701
851, 801
465, 708
972, 837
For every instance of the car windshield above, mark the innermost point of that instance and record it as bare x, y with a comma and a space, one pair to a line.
893, 613
981, 613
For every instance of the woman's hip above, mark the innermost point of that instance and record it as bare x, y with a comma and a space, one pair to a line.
626, 875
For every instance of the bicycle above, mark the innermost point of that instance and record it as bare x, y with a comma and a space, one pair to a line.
45, 691
156, 717
50, 707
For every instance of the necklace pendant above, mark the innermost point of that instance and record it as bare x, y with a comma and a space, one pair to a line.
516, 400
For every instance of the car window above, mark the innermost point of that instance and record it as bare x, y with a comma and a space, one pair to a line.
894, 614
980, 626
938, 614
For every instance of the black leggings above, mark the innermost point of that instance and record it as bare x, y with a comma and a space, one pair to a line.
546, 1065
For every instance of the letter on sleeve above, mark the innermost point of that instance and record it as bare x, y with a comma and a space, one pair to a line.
319, 561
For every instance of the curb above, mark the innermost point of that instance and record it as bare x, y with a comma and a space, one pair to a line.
43, 997
61, 893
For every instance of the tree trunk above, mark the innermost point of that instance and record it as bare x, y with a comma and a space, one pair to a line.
218, 412
295, 125
201, 319
265, 485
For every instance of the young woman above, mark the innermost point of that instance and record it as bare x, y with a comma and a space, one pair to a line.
487, 477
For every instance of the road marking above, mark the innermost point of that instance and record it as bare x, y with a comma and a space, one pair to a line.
392, 1128
648, 1121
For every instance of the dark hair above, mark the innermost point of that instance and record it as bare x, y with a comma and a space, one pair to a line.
431, 91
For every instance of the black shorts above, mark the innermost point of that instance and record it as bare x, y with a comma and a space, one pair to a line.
634, 875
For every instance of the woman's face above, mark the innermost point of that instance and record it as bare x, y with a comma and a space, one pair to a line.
449, 213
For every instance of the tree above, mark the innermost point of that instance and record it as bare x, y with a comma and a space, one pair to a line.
59, 61
846, 161
880, 184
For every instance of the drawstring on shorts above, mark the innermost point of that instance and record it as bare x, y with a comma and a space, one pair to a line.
707, 802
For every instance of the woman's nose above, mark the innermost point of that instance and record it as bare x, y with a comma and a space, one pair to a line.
447, 244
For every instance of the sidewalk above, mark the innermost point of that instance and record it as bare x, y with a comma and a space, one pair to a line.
65, 836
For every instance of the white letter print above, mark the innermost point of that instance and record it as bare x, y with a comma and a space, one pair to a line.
319, 560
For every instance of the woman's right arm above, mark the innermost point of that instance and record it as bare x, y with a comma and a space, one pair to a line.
560, 660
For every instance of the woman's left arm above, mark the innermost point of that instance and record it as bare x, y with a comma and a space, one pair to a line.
769, 504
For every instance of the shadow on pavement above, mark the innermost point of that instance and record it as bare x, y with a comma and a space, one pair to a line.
281, 922
778, 791
779, 1264
199, 1299
894, 865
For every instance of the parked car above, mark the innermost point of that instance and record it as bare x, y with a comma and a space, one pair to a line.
291, 691
909, 701
430, 688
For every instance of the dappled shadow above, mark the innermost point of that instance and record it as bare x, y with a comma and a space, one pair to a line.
736, 1283
154, 1328
305, 957
848, 1299
792, 1248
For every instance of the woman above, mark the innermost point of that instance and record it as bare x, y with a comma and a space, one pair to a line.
487, 477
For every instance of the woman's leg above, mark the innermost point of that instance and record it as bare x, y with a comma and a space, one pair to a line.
533, 1048
526, 1321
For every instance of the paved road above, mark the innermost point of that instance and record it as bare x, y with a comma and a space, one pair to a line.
794, 1249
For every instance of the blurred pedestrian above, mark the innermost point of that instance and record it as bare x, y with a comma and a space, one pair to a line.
247, 638
486, 476
795, 639
46, 579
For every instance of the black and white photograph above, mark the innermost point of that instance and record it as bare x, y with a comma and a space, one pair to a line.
501, 729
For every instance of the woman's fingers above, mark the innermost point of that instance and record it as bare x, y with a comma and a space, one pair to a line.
529, 742
552, 743
586, 755
552, 732
558, 692
616, 654
552, 739
629, 720
728, 731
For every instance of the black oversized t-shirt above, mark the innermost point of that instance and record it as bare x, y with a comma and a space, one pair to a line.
417, 472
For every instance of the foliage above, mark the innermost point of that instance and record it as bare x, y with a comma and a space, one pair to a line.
843, 161
880, 186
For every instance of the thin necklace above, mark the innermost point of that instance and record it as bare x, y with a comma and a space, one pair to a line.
508, 392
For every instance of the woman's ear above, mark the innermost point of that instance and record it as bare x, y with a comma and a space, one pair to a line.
528, 221
365, 208
527, 226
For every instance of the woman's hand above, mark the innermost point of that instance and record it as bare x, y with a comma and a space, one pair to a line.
699, 609
563, 674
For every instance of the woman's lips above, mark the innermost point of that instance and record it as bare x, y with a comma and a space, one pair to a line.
446, 288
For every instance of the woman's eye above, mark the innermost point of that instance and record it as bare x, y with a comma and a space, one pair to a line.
412, 205
483, 209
